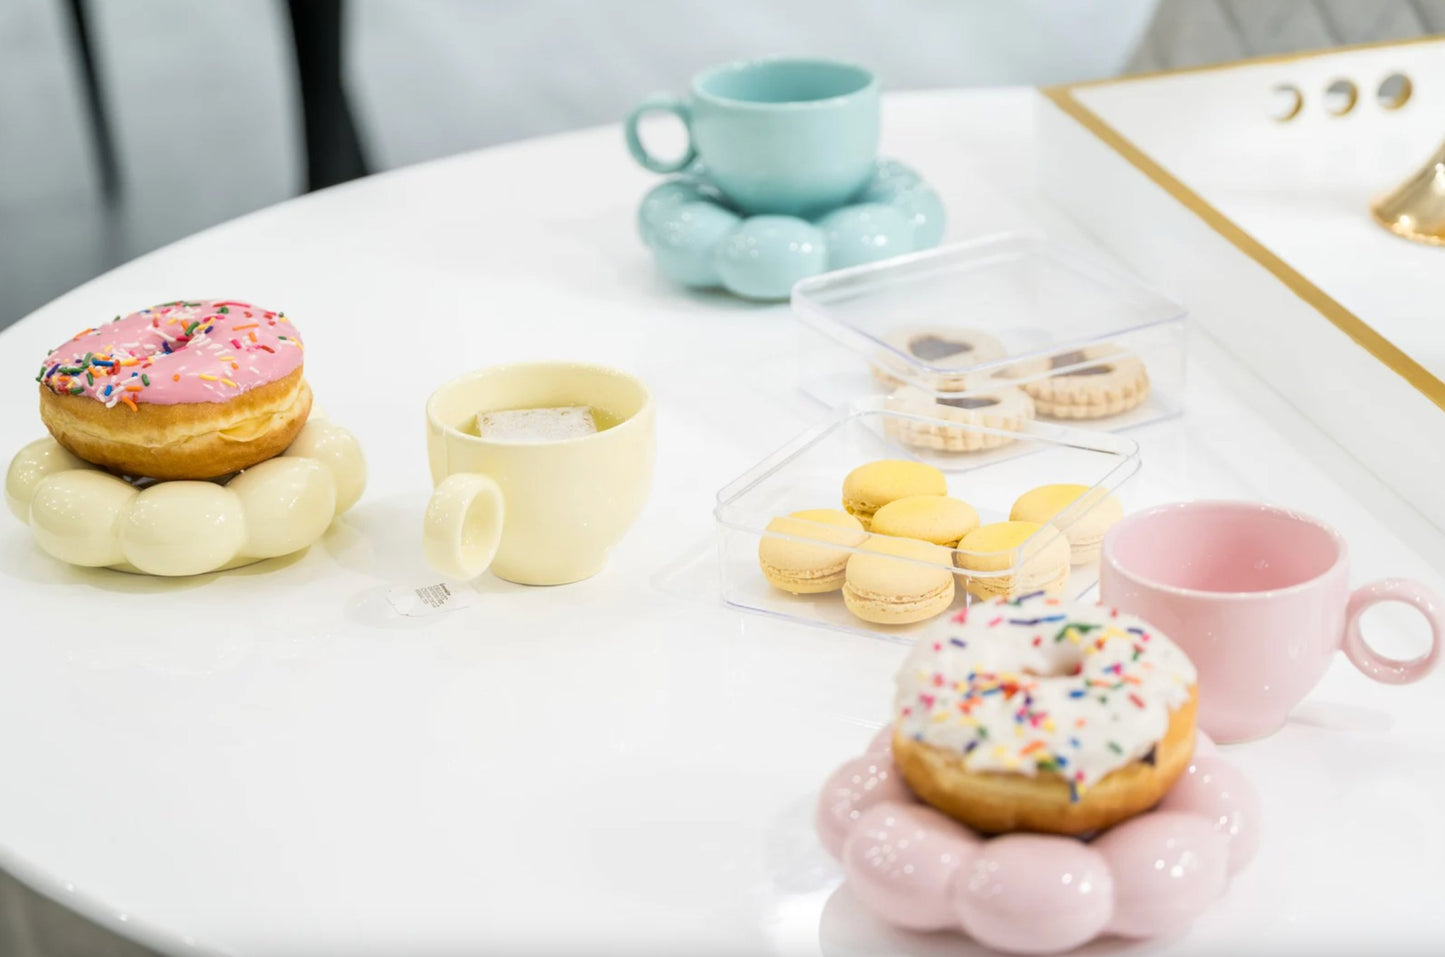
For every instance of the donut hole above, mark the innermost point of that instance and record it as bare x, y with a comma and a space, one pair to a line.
970, 402
930, 348
1064, 660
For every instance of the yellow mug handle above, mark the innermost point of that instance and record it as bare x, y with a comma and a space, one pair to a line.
463, 525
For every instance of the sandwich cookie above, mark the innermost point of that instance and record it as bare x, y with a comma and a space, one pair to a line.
943, 352
870, 487
1083, 514
897, 581
1009, 559
1090, 383
929, 518
1005, 408
813, 566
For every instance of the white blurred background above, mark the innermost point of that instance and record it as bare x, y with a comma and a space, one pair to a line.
203, 99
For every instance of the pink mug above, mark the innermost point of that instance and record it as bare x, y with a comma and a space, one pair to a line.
1259, 598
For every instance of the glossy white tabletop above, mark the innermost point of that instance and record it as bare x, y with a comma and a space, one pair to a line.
270, 761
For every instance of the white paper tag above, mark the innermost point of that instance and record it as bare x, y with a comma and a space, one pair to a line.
423, 600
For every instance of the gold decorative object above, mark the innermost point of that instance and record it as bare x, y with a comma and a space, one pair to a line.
1416, 208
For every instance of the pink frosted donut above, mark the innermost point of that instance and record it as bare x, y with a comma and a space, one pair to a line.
191, 389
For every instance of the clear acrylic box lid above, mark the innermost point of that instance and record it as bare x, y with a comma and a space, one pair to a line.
1037, 297
808, 473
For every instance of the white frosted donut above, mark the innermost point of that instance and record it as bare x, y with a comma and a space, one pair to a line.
1006, 408
1032, 714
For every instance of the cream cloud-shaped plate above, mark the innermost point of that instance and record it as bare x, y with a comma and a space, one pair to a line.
86, 516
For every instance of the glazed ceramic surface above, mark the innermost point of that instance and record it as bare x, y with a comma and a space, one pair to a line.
700, 239
85, 516
1260, 599
275, 762
1149, 876
788, 136
544, 513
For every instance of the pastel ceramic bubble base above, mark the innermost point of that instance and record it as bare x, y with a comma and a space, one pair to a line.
85, 516
1030, 893
701, 242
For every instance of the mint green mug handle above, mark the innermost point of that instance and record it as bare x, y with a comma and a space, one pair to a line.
668, 103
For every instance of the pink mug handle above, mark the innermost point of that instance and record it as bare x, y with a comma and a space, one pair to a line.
1392, 671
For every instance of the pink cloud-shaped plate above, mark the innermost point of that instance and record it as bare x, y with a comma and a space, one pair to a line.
1152, 875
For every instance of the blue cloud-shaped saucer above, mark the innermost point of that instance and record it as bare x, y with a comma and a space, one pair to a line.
700, 241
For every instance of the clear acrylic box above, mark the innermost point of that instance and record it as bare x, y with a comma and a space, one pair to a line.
808, 473
1067, 331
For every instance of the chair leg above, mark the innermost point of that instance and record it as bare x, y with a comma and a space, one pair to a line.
333, 148
95, 104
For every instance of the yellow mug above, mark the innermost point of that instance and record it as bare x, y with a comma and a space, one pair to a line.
537, 513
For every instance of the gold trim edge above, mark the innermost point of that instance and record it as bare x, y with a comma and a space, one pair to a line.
1361, 332
1267, 59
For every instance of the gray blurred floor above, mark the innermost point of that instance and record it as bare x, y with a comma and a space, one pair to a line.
209, 129
35, 926
201, 98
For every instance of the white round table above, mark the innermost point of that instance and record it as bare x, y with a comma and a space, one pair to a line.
271, 761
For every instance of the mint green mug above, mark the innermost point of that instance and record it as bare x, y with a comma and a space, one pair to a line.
791, 136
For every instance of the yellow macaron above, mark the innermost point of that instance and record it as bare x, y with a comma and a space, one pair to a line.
1084, 515
888, 582
930, 518
1015, 558
870, 487
817, 564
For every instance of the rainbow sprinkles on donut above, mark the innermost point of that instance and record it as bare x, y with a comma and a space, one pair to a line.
190, 389
1042, 716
